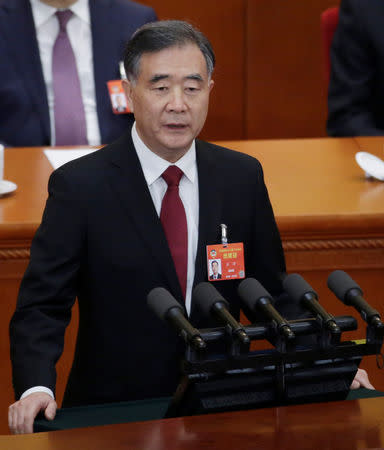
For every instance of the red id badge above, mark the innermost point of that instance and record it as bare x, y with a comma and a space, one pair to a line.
225, 262
117, 96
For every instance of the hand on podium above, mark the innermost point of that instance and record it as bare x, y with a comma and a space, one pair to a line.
361, 380
22, 413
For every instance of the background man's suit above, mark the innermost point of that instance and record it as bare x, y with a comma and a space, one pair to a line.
356, 89
24, 115
102, 239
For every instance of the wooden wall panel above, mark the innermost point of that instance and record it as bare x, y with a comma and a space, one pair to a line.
285, 88
223, 22
269, 79
8, 293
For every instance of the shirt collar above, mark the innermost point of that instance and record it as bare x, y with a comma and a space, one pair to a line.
43, 12
153, 166
81, 9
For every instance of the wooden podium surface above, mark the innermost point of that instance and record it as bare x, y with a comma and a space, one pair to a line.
330, 217
336, 425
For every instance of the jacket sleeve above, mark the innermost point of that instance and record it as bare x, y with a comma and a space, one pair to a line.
48, 289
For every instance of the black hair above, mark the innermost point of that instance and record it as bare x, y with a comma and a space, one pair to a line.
157, 36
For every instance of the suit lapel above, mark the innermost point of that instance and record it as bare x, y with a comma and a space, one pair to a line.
128, 182
210, 214
18, 28
210, 208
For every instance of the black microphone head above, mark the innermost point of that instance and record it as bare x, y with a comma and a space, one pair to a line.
340, 283
160, 301
251, 290
296, 287
205, 295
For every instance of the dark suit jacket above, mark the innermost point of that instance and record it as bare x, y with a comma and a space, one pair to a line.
24, 115
102, 240
218, 277
356, 89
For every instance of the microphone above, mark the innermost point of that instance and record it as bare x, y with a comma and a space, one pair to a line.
258, 298
167, 308
210, 301
300, 291
351, 294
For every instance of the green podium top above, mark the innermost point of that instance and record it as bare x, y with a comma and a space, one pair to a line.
135, 411
106, 414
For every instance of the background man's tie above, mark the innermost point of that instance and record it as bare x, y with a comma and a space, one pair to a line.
70, 126
174, 222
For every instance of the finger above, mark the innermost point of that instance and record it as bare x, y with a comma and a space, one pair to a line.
27, 426
369, 385
362, 375
50, 410
11, 420
355, 384
14, 420
19, 420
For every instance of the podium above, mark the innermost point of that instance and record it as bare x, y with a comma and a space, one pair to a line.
341, 425
136, 411
341, 224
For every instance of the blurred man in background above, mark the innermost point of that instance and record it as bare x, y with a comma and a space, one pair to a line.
356, 88
56, 58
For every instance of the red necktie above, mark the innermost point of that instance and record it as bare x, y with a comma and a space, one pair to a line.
174, 222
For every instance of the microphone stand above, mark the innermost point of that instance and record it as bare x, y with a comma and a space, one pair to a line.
242, 379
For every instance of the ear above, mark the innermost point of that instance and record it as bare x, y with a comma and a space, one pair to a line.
128, 90
210, 85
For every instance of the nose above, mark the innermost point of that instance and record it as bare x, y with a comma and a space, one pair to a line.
176, 101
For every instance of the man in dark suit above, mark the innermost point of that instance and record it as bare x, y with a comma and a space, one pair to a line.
356, 88
100, 29
215, 271
105, 223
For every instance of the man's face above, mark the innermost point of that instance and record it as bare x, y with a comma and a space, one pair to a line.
215, 268
170, 99
120, 100
59, 3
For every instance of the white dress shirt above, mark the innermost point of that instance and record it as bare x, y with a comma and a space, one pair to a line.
80, 36
153, 166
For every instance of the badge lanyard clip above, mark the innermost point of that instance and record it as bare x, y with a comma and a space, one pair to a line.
123, 75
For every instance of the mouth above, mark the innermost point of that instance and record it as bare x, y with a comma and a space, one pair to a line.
176, 126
